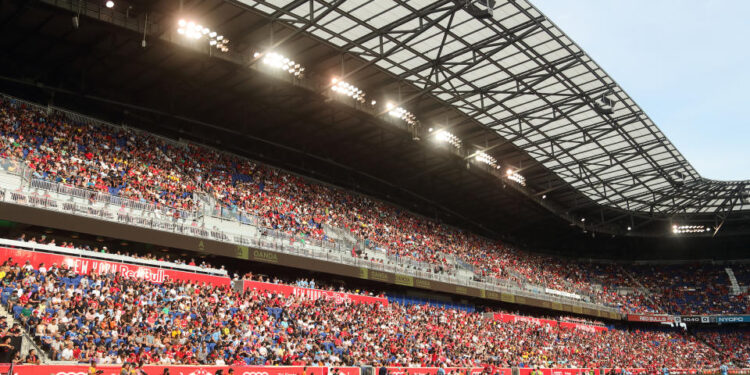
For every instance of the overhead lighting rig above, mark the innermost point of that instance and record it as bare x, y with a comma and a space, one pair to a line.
483, 157
281, 62
401, 113
196, 31
516, 177
689, 229
445, 136
347, 89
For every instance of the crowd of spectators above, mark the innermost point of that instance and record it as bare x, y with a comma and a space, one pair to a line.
110, 320
162, 173
734, 344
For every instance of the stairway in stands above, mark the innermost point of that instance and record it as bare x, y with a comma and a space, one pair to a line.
27, 342
735, 286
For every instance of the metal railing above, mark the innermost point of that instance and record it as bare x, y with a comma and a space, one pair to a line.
108, 199
265, 238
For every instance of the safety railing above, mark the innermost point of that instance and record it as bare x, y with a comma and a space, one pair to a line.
107, 198
266, 239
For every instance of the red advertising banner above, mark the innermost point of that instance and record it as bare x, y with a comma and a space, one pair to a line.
687, 371
85, 266
559, 371
652, 318
510, 318
337, 297
182, 370
583, 327
433, 370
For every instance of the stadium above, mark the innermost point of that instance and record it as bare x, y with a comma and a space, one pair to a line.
315, 187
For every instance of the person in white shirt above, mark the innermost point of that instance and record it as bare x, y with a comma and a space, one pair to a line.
67, 353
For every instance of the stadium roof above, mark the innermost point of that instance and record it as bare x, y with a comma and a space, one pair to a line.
519, 75
512, 86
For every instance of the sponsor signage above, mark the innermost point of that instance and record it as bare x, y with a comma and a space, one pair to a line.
712, 319
510, 318
650, 318
733, 319
687, 319
265, 256
560, 371
433, 370
422, 283
637, 371
314, 294
404, 280
378, 276
184, 370
86, 266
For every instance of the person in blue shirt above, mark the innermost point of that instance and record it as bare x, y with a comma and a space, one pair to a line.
724, 369
665, 370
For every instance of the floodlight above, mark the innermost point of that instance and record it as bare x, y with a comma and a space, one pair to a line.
278, 61
347, 89
681, 229
516, 177
401, 113
192, 30
483, 157
109, 4
445, 136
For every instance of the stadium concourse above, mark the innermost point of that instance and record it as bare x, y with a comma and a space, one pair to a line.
152, 170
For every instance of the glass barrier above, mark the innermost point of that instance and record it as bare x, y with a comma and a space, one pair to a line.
213, 223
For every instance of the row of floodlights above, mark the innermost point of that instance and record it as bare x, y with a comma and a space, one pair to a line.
680, 229
196, 31
483, 157
341, 87
278, 61
401, 113
347, 89
516, 177
445, 136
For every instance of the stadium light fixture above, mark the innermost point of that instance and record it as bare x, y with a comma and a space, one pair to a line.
109, 4
445, 136
516, 177
483, 157
401, 113
630, 228
278, 61
195, 31
347, 89
690, 229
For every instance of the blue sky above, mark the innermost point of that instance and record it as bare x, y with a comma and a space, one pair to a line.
685, 62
